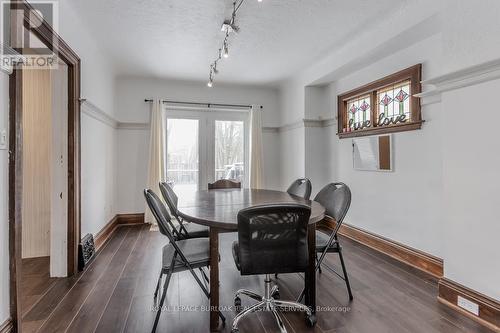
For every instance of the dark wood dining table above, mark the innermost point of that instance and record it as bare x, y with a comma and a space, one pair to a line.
218, 209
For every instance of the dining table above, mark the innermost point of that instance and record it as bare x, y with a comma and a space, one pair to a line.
218, 210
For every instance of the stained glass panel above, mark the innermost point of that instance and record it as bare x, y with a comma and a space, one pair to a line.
394, 100
359, 110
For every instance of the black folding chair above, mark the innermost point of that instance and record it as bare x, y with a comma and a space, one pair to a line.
185, 230
178, 255
301, 187
336, 198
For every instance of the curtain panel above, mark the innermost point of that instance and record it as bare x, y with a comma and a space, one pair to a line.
256, 149
157, 167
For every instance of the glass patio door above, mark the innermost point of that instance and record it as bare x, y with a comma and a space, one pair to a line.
204, 146
230, 150
183, 154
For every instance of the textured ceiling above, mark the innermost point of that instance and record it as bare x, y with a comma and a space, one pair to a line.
178, 39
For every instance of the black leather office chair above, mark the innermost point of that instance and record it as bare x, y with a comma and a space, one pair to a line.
301, 187
185, 230
271, 238
336, 198
178, 255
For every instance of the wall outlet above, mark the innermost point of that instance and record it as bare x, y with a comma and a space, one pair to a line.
467, 305
3, 139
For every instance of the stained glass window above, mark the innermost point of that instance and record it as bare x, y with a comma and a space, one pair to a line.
394, 100
387, 105
359, 110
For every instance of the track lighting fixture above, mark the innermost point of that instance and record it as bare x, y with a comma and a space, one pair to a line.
228, 26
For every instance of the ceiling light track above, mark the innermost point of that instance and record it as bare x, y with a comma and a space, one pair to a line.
228, 27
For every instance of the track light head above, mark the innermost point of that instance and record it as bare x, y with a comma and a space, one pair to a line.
228, 26
226, 51
210, 84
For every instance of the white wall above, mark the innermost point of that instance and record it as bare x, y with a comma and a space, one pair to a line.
4, 213
132, 175
292, 144
98, 169
418, 163
441, 196
471, 164
97, 74
404, 204
133, 143
98, 153
472, 29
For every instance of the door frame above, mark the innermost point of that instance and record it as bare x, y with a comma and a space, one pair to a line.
206, 123
52, 40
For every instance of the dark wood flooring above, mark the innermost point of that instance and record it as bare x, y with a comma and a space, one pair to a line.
114, 294
35, 281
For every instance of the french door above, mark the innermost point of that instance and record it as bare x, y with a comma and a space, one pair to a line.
204, 146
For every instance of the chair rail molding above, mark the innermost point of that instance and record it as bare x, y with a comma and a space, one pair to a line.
132, 126
434, 87
270, 129
308, 123
93, 111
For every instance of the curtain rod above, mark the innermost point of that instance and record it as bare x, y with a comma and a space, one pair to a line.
209, 105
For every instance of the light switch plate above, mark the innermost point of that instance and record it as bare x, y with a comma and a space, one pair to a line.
467, 305
3, 139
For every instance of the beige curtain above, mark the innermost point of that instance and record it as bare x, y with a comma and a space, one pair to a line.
157, 168
256, 150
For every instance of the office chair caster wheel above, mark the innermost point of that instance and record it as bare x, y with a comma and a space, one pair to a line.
311, 320
237, 304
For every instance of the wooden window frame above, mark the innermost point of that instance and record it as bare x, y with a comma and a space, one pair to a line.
412, 74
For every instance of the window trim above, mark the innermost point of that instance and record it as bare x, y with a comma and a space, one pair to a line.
412, 74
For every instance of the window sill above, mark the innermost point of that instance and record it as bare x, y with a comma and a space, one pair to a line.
382, 130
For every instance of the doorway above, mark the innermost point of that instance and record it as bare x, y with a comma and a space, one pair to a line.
24, 20
45, 174
205, 146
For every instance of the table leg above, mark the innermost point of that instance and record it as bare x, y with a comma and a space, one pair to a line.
214, 279
310, 275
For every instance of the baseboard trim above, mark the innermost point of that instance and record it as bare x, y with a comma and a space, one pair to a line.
489, 309
405, 254
7, 326
118, 220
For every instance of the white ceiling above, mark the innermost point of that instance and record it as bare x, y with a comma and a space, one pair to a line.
178, 39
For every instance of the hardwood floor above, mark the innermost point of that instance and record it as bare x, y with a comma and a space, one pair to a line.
35, 281
115, 295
